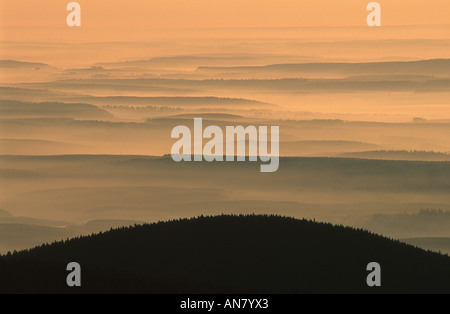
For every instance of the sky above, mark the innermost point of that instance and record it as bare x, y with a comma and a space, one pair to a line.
44, 18
176, 26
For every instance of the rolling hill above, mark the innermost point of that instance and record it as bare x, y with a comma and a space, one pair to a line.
20, 64
4, 213
228, 254
424, 67
12, 108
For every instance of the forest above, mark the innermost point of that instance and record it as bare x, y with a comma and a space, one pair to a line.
227, 254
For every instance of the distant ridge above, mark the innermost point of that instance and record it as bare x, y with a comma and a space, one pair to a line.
430, 67
20, 64
177, 101
399, 155
4, 214
13, 108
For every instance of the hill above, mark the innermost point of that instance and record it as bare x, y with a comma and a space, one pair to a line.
435, 244
12, 108
21, 233
4, 213
228, 254
20, 64
420, 67
399, 155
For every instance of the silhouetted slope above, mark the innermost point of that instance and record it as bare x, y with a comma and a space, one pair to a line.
228, 254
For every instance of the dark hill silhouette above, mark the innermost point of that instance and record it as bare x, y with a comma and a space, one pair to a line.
228, 254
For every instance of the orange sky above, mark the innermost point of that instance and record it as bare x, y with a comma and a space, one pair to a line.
30, 21
220, 13
125, 20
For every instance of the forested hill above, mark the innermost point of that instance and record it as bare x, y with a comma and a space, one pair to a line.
228, 254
